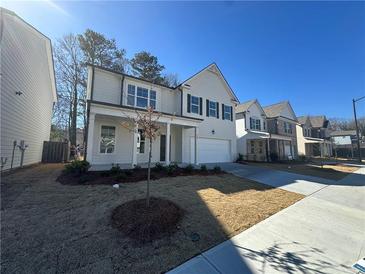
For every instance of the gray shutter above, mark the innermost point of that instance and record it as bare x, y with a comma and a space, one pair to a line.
207, 102
231, 113
250, 123
217, 110
201, 106
222, 111
189, 103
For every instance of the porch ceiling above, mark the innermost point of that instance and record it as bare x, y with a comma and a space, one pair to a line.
280, 137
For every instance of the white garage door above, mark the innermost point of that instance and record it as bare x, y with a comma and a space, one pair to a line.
211, 150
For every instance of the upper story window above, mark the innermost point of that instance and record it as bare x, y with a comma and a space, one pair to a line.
212, 109
227, 112
288, 128
255, 124
107, 140
195, 106
141, 140
142, 98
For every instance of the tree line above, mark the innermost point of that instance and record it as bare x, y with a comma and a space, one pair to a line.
348, 124
72, 53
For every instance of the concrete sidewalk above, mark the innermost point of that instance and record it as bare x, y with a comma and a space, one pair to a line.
323, 233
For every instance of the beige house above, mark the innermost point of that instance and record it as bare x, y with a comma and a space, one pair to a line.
251, 131
281, 124
313, 136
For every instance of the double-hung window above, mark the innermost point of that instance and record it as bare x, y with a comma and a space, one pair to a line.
107, 140
212, 109
153, 99
141, 140
195, 105
131, 95
227, 112
142, 97
288, 128
255, 124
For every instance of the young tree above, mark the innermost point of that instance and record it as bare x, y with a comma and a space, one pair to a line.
148, 123
146, 66
171, 80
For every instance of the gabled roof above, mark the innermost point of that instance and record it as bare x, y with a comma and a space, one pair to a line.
42, 36
212, 67
319, 121
276, 110
246, 105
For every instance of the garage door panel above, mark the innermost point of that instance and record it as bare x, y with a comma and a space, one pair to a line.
211, 150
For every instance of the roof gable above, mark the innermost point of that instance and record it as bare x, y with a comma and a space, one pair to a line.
282, 109
213, 68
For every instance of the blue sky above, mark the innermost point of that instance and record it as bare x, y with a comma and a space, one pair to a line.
310, 53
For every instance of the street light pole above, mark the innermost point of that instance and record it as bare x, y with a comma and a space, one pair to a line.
357, 128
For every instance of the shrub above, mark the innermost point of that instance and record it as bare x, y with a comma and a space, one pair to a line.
240, 157
115, 169
159, 167
203, 168
274, 156
189, 168
217, 169
84, 178
77, 167
302, 158
105, 174
128, 172
171, 169
175, 165
137, 167
121, 176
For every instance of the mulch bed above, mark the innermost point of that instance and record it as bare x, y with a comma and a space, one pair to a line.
128, 176
143, 224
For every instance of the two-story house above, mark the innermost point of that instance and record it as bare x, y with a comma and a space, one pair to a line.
197, 123
251, 131
28, 91
313, 136
281, 124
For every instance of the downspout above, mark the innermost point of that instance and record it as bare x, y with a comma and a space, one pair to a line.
88, 114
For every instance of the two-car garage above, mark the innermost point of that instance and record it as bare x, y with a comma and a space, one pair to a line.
211, 150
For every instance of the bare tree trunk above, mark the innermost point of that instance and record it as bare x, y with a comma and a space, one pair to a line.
149, 175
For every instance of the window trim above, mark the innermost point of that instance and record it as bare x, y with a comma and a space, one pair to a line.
135, 96
191, 104
115, 139
227, 112
210, 109
253, 123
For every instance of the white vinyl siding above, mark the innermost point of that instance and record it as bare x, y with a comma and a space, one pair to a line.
24, 68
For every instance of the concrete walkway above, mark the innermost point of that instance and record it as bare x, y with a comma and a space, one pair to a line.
323, 233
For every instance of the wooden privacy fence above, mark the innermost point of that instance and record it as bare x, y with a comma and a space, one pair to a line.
55, 152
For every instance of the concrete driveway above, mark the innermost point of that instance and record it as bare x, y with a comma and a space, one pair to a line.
323, 233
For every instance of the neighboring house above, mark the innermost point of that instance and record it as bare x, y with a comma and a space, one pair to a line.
251, 131
197, 123
281, 124
345, 143
28, 90
313, 136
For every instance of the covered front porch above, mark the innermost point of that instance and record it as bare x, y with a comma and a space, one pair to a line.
315, 147
257, 146
113, 138
281, 146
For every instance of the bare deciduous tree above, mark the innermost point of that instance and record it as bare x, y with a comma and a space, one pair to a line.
148, 123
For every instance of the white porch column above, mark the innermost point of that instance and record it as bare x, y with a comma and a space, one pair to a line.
196, 145
167, 150
134, 149
90, 137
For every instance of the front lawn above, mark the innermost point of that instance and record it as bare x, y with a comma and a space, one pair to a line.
333, 172
69, 228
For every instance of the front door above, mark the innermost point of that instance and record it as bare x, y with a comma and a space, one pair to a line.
162, 148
